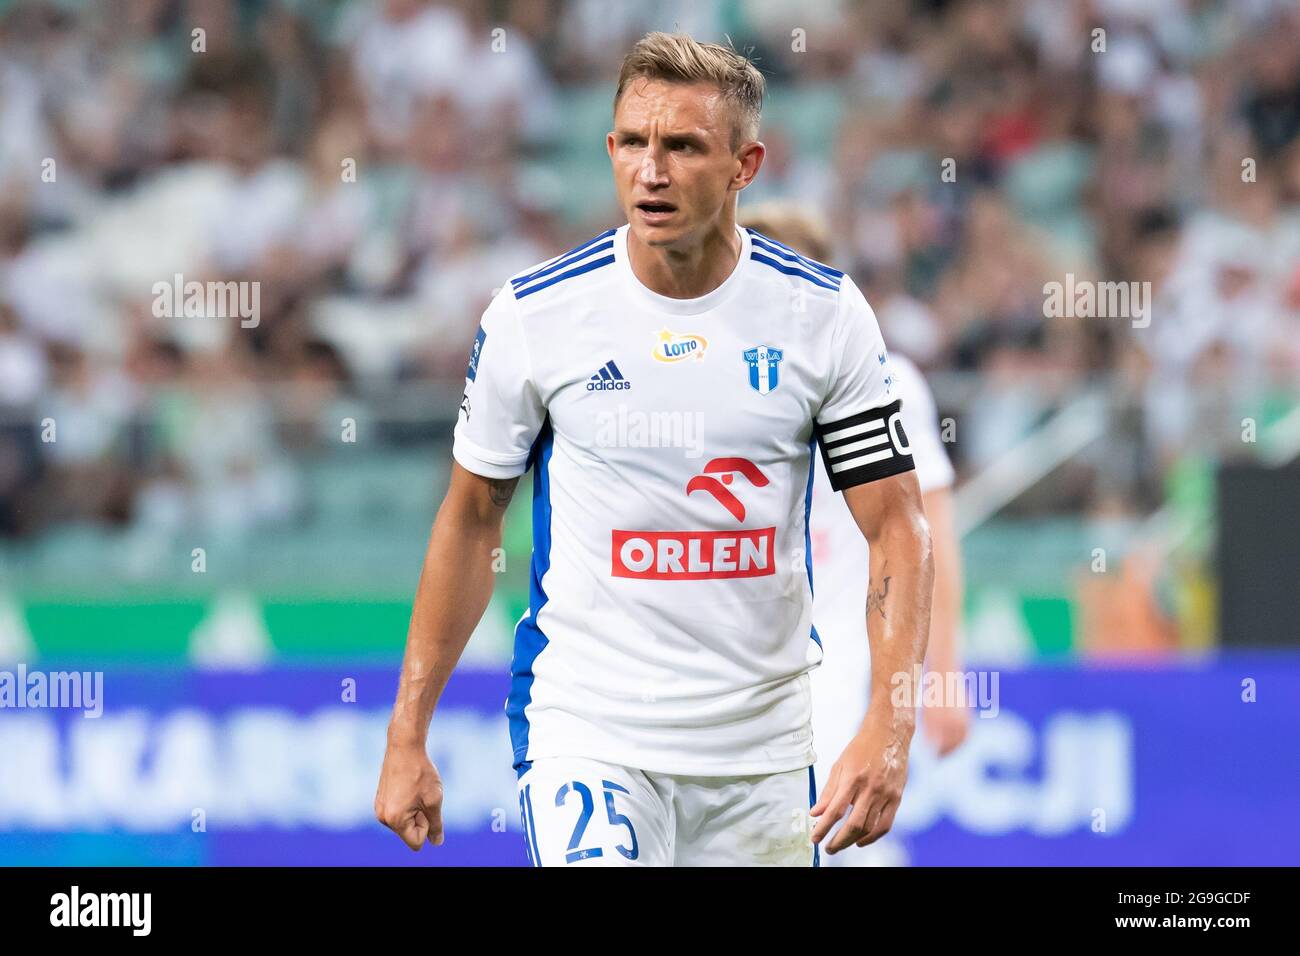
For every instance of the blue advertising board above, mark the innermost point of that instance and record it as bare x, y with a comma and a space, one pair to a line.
1184, 764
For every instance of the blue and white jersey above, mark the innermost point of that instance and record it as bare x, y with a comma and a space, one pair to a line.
670, 626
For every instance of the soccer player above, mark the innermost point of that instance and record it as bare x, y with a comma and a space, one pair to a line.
669, 382
840, 560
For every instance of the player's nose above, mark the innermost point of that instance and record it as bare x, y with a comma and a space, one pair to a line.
653, 170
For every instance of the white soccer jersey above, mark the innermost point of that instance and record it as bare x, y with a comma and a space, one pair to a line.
670, 622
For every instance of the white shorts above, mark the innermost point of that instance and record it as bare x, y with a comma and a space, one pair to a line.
579, 812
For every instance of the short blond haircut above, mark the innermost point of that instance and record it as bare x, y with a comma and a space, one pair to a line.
678, 58
790, 224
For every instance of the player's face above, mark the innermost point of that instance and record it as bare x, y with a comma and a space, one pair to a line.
674, 168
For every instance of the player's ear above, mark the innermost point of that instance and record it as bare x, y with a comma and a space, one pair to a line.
609, 144
751, 157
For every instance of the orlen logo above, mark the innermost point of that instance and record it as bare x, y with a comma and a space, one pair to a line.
701, 555
673, 347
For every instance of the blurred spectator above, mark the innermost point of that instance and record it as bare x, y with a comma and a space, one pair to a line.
378, 167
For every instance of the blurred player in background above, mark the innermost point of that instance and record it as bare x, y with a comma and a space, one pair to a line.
660, 706
841, 561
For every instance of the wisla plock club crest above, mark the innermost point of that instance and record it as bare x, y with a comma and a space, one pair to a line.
763, 368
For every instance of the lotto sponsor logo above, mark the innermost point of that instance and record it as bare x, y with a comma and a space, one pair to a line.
693, 555
673, 347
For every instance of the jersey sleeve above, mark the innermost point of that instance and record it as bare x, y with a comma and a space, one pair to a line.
859, 425
933, 467
501, 412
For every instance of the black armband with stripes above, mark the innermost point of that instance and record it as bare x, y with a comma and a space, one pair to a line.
865, 447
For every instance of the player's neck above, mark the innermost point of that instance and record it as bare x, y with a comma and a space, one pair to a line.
687, 272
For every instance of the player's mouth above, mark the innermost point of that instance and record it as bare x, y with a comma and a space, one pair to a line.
655, 211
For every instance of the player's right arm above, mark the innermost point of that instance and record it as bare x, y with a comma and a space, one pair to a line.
501, 416
454, 590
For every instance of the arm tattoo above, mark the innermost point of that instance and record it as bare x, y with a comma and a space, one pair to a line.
876, 599
502, 490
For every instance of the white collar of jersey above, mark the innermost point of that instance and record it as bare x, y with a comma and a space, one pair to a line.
663, 303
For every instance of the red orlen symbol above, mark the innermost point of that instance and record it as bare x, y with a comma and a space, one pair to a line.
701, 555
726, 469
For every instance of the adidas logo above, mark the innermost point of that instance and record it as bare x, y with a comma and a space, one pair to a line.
608, 379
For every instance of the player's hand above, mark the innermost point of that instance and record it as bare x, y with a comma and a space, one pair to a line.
866, 783
409, 799
945, 727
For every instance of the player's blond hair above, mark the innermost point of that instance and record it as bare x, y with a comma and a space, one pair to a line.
678, 58
791, 224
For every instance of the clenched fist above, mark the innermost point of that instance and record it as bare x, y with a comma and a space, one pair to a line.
409, 799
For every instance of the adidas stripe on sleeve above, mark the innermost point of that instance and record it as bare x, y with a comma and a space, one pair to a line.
860, 426
501, 412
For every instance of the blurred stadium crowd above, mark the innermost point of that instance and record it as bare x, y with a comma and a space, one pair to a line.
379, 167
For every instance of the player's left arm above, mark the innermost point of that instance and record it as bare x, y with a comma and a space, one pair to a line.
866, 782
868, 458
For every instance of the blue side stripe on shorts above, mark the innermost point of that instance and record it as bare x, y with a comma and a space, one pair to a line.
812, 802
523, 819
532, 825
